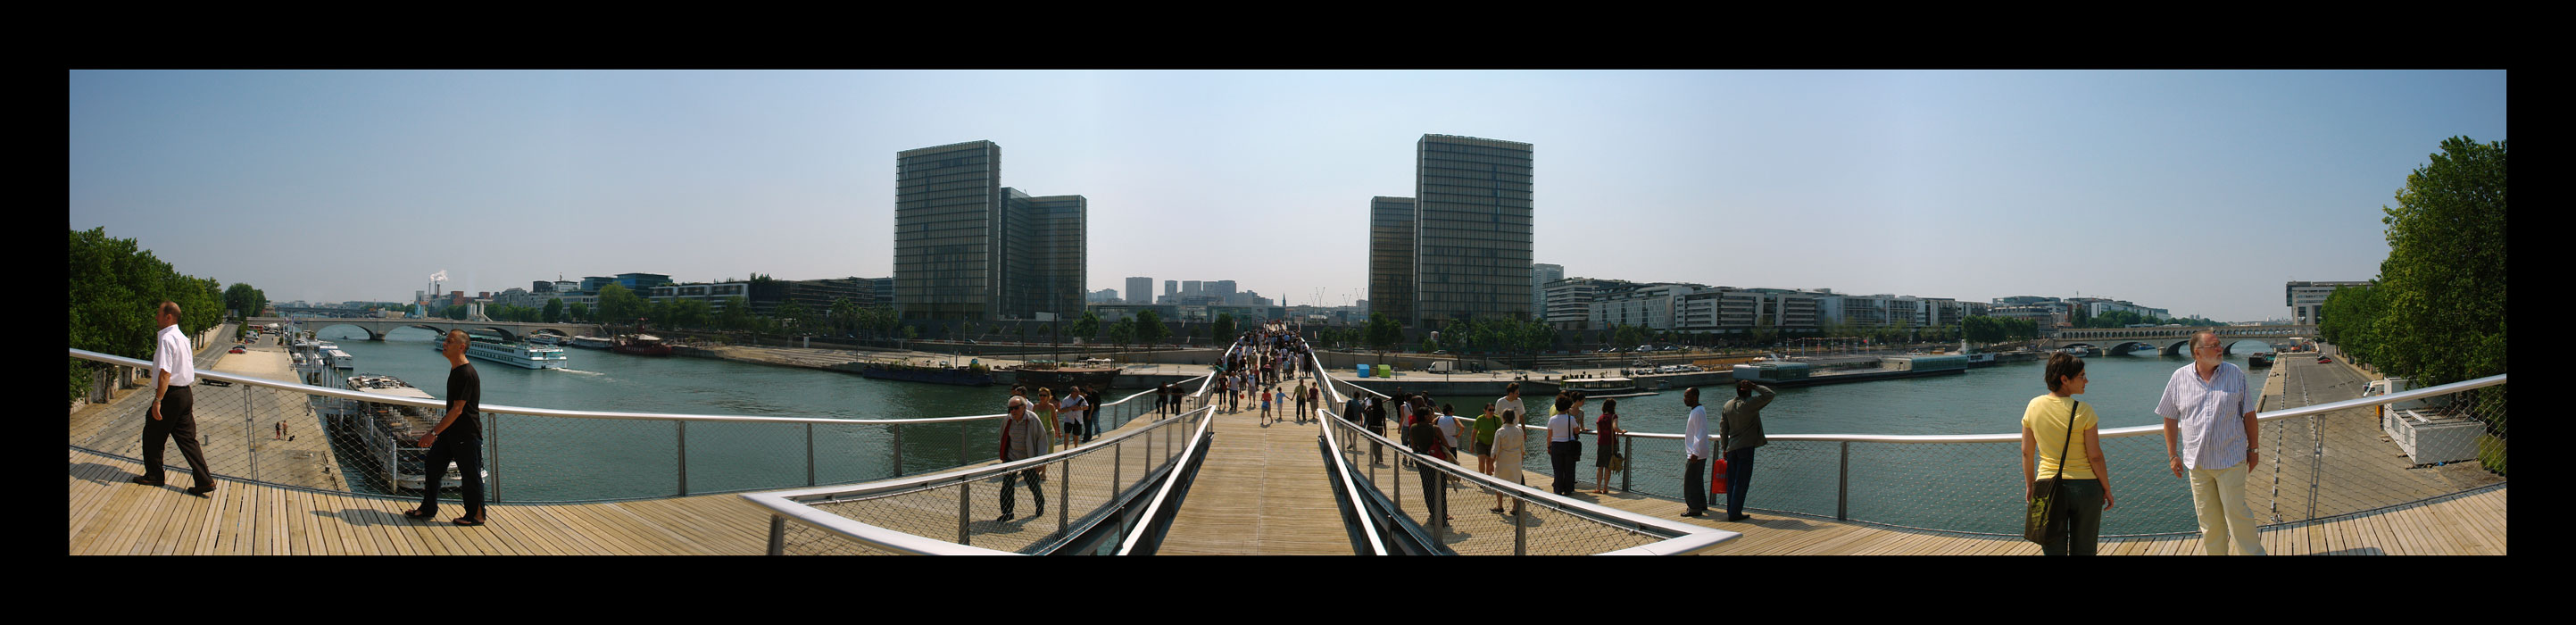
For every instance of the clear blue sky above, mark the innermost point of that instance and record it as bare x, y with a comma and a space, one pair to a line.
2201, 192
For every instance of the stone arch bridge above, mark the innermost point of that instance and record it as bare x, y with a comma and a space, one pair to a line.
376, 328
2169, 341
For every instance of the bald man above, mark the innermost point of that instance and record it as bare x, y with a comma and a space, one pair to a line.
173, 413
2210, 433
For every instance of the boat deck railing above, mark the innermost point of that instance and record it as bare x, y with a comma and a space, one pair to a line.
553, 455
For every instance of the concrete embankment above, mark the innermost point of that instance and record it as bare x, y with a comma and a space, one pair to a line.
847, 361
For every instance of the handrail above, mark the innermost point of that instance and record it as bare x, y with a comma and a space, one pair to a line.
789, 503
1323, 424
545, 412
1686, 538
2141, 430
1164, 494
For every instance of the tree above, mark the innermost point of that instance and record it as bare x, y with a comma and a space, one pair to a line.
245, 300
845, 315
1224, 327
1382, 332
1086, 327
2443, 317
578, 310
617, 305
688, 313
554, 310
792, 316
454, 311
1150, 328
736, 314
115, 287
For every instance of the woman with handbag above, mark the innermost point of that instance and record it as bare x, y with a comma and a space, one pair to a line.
1608, 458
2065, 510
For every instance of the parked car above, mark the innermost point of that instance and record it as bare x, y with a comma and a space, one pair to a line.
2324, 360
237, 349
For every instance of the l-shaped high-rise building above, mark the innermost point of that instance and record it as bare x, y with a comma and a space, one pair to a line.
967, 248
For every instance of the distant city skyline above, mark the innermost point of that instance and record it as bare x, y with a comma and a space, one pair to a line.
2200, 192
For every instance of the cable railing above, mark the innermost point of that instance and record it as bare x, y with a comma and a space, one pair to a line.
1123, 497
2317, 462
334, 439
1535, 522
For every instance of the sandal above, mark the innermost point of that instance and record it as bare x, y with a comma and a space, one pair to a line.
467, 521
417, 514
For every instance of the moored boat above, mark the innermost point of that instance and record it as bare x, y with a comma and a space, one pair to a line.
1058, 377
959, 376
391, 433
1787, 374
593, 342
520, 355
1599, 388
641, 345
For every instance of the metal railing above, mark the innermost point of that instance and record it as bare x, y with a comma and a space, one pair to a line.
1537, 522
349, 441
2318, 461
915, 516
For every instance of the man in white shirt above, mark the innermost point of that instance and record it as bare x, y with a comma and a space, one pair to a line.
1694, 456
2210, 430
173, 411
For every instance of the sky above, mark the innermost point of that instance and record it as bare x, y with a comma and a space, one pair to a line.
2201, 192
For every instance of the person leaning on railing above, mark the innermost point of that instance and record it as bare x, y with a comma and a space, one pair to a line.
2083, 480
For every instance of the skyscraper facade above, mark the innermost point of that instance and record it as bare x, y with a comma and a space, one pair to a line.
1471, 241
1390, 280
1140, 290
1540, 275
968, 249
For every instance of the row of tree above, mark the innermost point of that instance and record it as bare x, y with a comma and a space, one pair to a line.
116, 288
2436, 312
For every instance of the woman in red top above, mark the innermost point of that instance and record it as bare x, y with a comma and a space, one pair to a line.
1610, 431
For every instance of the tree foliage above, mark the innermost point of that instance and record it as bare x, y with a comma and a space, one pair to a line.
617, 305
1150, 328
1224, 327
115, 291
553, 312
244, 299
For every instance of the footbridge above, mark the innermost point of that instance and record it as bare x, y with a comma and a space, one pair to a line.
376, 328
1199, 477
2170, 341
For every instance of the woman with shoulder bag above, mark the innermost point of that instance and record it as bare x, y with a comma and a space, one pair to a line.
2081, 486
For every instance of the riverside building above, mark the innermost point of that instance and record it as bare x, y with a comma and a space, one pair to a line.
1471, 230
968, 249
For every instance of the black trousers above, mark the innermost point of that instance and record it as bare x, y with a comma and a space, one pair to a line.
1739, 477
178, 420
1036, 493
463, 446
1694, 486
1435, 502
1563, 456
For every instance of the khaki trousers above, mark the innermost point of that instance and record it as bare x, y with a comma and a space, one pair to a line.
2225, 519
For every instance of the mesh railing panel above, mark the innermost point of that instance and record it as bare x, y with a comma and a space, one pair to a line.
1473, 528
1072, 488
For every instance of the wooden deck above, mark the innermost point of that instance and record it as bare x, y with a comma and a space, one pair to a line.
112, 516
1261, 492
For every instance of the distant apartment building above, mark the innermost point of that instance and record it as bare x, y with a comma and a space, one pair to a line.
1569, 301
1171, 288
2305, 298
969, 249
1654, 306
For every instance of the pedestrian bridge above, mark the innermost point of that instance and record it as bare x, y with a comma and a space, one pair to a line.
1195, 478
376, 328
2170, 341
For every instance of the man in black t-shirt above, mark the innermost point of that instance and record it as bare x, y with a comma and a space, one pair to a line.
457, 437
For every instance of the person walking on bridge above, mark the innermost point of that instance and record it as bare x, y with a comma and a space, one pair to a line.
2210, 431
173, 413
1023, 438
457, 437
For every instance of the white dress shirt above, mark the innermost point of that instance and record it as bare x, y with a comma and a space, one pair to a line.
2210, 415
1695, 434
173, 355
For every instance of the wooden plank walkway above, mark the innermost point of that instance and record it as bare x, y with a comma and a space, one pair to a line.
1261, 492
109, 515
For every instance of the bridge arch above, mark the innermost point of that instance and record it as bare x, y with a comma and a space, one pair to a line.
372, 335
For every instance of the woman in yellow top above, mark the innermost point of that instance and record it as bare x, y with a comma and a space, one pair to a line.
2084, 490
1046, 407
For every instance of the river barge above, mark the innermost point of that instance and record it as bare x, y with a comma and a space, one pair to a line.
1789, 374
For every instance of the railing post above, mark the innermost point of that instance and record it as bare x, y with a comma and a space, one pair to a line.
1520, 527
898, 449
965, 495
1063, 493
684, 456
492, 435
1117, 466
250, 428
809, 454
1628, 467
777, 535
1842, 486
961, 443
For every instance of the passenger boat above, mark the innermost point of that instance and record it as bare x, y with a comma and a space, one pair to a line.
548, 339
960, 376
641, 345
593, 342
519, 355
1787, 374
2258, 360
1599, 388
391, 433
